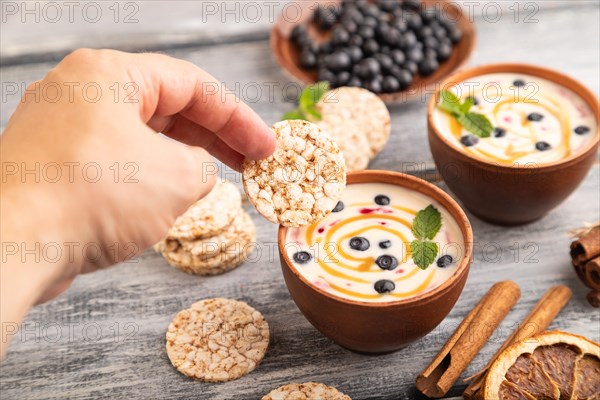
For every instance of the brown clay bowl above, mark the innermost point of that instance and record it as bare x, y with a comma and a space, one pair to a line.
288, 55
380, 327
510, 195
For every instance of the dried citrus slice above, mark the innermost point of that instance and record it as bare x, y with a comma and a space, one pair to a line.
550, 366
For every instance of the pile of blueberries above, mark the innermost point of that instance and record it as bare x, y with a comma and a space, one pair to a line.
379, 45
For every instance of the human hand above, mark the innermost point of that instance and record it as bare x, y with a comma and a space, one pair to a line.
122, 185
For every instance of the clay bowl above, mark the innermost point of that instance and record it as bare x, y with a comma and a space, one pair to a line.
380, 327
510, 195
288, 55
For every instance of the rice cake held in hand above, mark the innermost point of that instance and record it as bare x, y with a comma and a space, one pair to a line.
302, 181
217, 340
306, 391
358, 121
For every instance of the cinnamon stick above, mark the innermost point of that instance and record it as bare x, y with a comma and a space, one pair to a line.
593, 297
539, 318
586, 247
468, 339
592, 274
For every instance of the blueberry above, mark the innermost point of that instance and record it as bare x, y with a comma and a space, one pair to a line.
415, 55
359, 243
356, 40
408, 40
365, 32
350, 26
428, 66
384, 286
308, 60
455, 34
543, 146
325, 48
299, 33
444, 261
340, 36
469, 140
385, 244
355, 53
391, 36
370, 21
519, 83
325, 75
374, 85
398, 56
411, 5
385, 61
400, 24
439, 32
387, 262
403, 76
390, 84
387, 5
430, 53
425, 32
342, 78
370, 47
338, 207
382, 200
325, 17
354, 82
536, 117
411, 67
431, 42
499, 132
302, 257
444, 52
338, 61
414, 21
582, 130
368, 68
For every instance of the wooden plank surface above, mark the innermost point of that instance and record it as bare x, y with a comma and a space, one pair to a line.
112, 323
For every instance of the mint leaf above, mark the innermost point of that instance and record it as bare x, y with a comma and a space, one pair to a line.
450, 102
295, 114
427, 223
424, 252
309, 98
311, 95
476, 123
466, 106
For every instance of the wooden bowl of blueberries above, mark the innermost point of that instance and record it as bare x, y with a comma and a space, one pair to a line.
398, 49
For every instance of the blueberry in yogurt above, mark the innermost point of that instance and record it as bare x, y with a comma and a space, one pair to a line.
338, 207
444, 261
469, 140
499, 132
543, 146
387, 262
384, 286
382, 200
385, 244
535, 117
359, 243
582, 130
302, 257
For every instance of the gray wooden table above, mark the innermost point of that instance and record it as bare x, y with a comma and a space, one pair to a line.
104, 338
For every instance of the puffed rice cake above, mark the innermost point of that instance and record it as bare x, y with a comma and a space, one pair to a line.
358, 121
302, 181
210, 215
306, 391
217, 340
215, 255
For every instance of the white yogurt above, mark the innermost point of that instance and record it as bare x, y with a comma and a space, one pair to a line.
351, 273
510, 107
